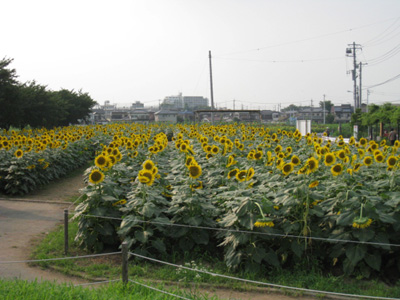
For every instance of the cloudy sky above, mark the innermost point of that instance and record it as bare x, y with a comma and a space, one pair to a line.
264, 52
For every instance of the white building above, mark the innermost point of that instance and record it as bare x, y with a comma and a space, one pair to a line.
175, 102
193, 102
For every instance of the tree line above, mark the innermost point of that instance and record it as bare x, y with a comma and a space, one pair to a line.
33, 104
377, 119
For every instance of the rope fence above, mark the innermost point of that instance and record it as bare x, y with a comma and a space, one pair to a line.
125, 258
260, 282
250, 232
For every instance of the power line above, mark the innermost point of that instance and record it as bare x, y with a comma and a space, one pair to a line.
282, 61
307, 39
382, 35
382, 83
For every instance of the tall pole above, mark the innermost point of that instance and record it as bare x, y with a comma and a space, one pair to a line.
360, 93
211, 81
211, 88
324, 109
355, 75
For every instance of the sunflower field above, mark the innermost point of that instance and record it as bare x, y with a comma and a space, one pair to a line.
258, 198
30, 159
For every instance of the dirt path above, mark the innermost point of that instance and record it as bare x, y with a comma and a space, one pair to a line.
21, 222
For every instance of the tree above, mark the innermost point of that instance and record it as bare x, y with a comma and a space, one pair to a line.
328, 105
291, 107
77, 105
47, 107
10, 102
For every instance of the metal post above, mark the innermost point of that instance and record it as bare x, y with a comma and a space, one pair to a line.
66, 231
125, 262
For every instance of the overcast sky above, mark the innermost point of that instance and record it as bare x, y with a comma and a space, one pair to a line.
264, 52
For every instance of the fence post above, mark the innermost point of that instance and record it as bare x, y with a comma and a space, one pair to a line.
66, 231
125, 262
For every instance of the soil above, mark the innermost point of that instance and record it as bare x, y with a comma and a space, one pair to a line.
26, 219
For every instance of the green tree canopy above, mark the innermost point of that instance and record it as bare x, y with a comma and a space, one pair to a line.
33, 104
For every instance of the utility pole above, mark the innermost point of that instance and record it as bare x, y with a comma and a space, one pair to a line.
311, 109
352, 52
234, 104
324, 109
211, 88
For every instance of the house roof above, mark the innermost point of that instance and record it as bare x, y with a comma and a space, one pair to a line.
166, 112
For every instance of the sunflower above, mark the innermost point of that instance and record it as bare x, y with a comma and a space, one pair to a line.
209, 155
391, 161
19, 153
341, 154
363, 142
361, 152
295, 160
96, 176
241, 175
250, 173
379, 158
287, 168
314, 184
312, 164
278, 149
197, 186
232, 173
111, 160
258, 155
368, 160
362, 222
330, 159
194, 171
265, 222
337, 169
146, 177
357, 167
189, 160
214, 150
148, 165
101, 161
183, 147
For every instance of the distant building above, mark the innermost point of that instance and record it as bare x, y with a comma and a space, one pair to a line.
269, 116
342, 113
195, 102
166, 116
137, 105
316, 114
173, 102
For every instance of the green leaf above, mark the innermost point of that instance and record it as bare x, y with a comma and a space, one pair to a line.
373, 260
159, 245
355, 253
258, 254
272, 259
200, 237
387, 218
143, 236
345, 218
364, 235
297, 248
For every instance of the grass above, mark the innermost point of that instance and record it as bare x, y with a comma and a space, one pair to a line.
20, 289
109, 267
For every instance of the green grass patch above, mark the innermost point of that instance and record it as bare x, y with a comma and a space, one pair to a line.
109, 267
19, 289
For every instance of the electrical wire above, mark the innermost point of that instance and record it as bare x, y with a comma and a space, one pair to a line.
306, 39
282, 61
382, 83
377, 40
